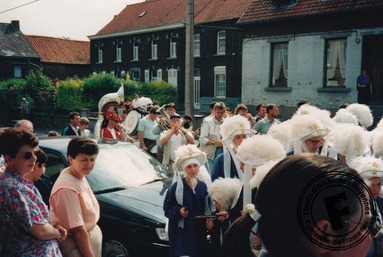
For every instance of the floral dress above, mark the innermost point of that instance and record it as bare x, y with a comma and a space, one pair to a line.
21, 206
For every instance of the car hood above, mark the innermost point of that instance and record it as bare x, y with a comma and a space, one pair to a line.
145, 201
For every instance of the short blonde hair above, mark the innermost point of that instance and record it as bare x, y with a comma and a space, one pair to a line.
84, 121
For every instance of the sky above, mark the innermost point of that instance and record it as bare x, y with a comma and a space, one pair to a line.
73, 19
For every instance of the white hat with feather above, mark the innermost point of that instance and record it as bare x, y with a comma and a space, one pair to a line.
224, 190
363, 114
349, 140
344, 116
368, 167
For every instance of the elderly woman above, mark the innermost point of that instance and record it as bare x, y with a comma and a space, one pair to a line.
295, 219
73, 204
25, 224
184, 200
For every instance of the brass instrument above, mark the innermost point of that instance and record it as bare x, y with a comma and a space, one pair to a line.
187, 123
109, 102
164, 122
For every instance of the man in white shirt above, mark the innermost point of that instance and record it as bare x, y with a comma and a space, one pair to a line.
145, 132
210, 136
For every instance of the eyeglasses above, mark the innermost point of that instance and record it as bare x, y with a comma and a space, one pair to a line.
28, 155
374, 229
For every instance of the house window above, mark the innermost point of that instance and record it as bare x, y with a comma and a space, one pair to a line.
154, 49
220, 81
173, 47
99, 54
135, 74
17, 71
221, 42
135, 51
197, 45
197, 88
335, 70
173, 77
118, 52
279, 64
159, 74
147, 76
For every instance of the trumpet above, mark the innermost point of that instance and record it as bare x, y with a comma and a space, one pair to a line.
187, 124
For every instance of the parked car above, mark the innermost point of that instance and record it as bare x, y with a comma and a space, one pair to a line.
130, 186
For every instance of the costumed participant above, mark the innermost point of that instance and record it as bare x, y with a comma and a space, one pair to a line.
377, 139
280, 132
371, 170
184, 200
233, 131
322, 114
111, 126
222, 192
349, 141
307, 135
362, 113
274, 213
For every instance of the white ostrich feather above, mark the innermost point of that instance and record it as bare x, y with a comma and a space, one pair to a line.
306, 109
368, 166
234, 125
261, 172
280, 131
185, 152
380, 123
224, 190
363, 114
344, 116
259, 149
377, 142
305, 125
349, 140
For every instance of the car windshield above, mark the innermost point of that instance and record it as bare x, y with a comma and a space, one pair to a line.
124, 166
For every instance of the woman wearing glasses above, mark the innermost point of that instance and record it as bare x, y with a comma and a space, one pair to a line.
306, 205
25, 224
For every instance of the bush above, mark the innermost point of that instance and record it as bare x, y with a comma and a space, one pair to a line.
41, 91
69, 96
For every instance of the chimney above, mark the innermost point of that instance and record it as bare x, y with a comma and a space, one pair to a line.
16, 25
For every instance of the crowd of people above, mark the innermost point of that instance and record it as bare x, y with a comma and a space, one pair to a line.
238, 181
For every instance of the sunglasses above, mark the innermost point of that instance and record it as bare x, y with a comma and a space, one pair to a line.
28, 155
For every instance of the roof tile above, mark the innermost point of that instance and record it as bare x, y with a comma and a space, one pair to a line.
59, 50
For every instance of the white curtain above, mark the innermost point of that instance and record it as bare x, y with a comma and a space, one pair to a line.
335, 53
279, 58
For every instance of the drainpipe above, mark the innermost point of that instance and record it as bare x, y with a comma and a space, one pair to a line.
36, 65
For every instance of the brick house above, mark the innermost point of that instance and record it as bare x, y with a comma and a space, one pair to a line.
311, 49
17, 56
147, 41
62, 58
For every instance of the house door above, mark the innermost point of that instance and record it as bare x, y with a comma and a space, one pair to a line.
373, 60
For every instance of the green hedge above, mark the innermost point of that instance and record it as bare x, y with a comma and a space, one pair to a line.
74, 94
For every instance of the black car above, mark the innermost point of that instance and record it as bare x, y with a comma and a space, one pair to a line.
130, 187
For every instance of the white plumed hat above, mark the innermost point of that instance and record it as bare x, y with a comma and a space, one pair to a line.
368, 166
260, 173
344, 116
307, 126
280, 131
235, 125
363, 114
323, 115
186, 152
259, 149
377, 141
224, 190
349, 140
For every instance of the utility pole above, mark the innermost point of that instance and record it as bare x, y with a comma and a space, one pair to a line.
189, 59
